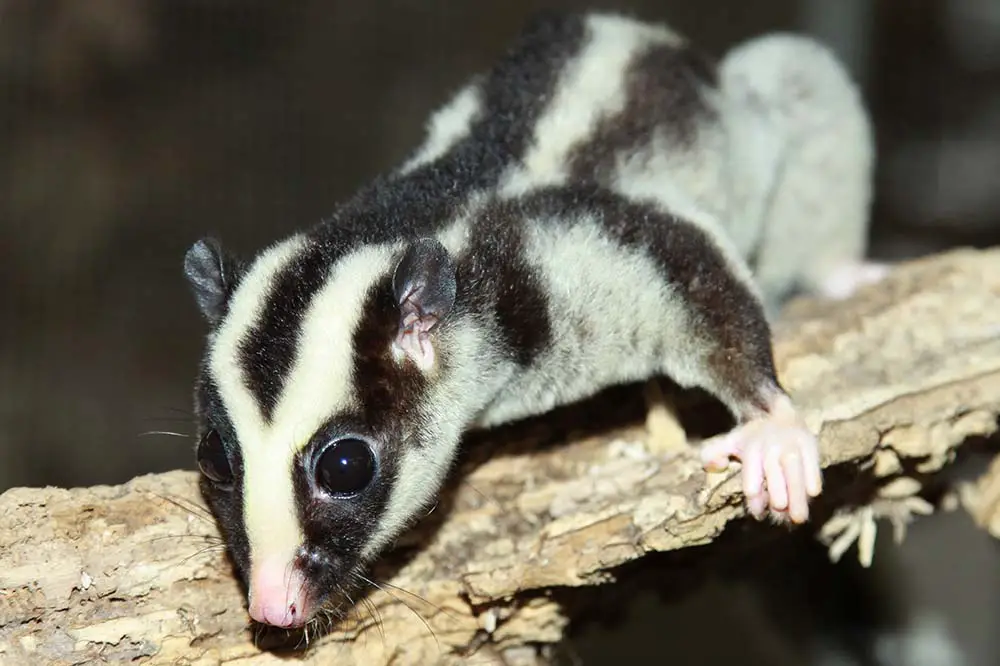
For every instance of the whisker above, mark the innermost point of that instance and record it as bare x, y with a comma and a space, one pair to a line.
178, 410
216, 540
305, 636
215, 547
372, 610
352, 603
363, 626
418, 597
355, 609
411, 609
167, 433
328, 617
376, 617
188, 420
193, 508
487, 498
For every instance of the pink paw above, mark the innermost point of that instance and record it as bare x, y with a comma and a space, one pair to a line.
780, 457
847, 279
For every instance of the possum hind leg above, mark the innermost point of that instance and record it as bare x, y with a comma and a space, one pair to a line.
846, 279
816, 224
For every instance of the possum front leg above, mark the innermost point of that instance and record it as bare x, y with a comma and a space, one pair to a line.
728, 326
715, 335
779, 455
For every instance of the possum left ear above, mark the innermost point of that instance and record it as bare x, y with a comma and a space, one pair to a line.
211, 274
424, 286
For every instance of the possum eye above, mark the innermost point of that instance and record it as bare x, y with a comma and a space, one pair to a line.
345, 466
212, 459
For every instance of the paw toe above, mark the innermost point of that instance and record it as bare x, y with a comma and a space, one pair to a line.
758, 505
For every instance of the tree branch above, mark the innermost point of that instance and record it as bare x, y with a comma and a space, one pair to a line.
893, 380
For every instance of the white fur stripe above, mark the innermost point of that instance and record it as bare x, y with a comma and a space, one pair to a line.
245, 309
318, 386
321, 383
591, 88
271, 518
447, 126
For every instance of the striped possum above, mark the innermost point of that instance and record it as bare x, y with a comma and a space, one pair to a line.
604, 205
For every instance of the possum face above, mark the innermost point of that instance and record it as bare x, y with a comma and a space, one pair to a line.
315, 444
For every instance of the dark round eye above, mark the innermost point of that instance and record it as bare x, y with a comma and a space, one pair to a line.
345, 466
212, 459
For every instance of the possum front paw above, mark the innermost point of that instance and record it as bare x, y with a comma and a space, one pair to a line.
780, 457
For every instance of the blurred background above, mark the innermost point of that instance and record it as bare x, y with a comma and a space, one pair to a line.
130, 128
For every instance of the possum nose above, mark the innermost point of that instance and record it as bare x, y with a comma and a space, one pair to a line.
278, 595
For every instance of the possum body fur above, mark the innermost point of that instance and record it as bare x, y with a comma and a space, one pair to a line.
602, 206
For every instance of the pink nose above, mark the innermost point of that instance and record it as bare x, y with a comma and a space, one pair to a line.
276, 613
278, 595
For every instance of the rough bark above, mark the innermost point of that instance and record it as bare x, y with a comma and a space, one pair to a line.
894, 381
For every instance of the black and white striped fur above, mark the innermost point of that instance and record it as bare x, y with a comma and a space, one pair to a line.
604, 205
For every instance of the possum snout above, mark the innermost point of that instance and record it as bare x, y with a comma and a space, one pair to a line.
279, 595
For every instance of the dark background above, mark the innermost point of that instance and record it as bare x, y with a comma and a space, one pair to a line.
130, 128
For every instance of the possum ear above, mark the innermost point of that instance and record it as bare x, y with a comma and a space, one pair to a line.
424, 287
211, 275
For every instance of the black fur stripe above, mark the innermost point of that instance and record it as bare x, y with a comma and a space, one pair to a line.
267, 351
385, 389
328, 557
518, 91
227, 505
515, 93
495, 279
730, 317
388, 396
665, 91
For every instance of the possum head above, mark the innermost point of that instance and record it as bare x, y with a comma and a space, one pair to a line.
315, 398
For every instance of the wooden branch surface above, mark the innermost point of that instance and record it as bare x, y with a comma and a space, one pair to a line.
895, 378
